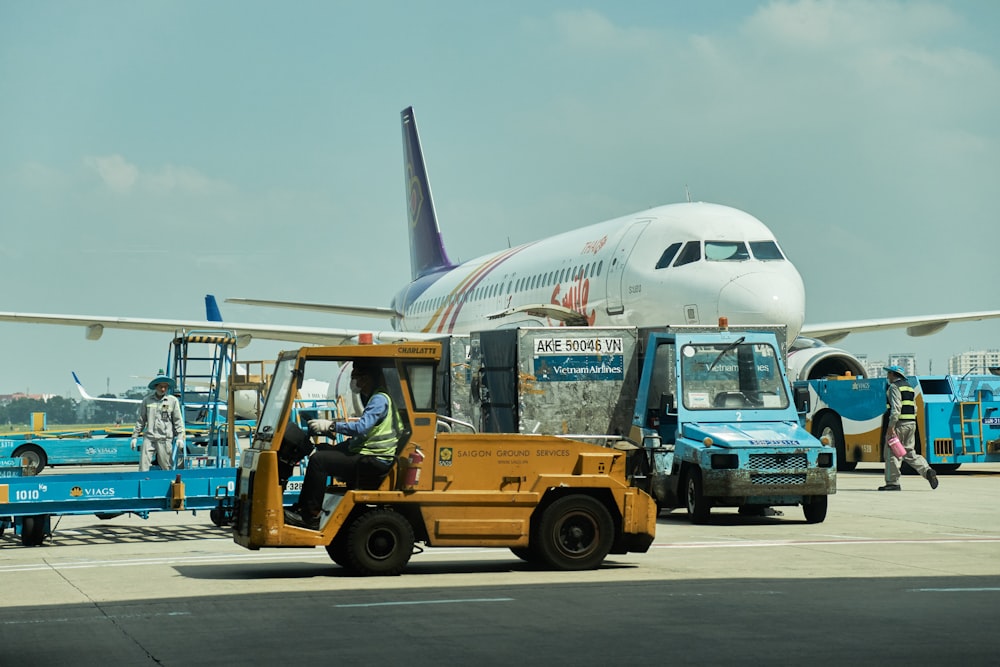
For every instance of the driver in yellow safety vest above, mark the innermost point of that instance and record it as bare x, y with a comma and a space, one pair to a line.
373, 437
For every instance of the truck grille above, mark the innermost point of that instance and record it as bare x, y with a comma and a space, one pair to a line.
777, 479
777, 461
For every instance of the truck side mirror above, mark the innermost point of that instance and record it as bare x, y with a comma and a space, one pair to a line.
801, 398
667, 406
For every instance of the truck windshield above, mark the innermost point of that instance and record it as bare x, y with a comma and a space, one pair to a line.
732, 376
281, 384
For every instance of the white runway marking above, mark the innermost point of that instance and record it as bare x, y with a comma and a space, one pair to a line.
402, 602
955, 590
100, 617
799, 543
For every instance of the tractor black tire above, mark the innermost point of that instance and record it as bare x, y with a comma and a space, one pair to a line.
830, 426
527, 554
698, 506
815, 511
379, 543
33, 530
37, 459
575, 532
221, 516
337, 550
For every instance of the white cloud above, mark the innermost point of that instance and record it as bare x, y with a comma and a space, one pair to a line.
180, 179
121, 176
117, 174
830, 24
590, 30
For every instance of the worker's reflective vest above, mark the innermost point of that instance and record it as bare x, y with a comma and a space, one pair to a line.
381, 440
907, 402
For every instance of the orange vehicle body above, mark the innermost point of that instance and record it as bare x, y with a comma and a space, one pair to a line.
555, 501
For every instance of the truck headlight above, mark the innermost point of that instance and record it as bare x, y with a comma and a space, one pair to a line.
725, 461
824, 460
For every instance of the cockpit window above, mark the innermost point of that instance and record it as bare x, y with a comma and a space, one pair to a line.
726, 251
668, 256
690, 253
766, 250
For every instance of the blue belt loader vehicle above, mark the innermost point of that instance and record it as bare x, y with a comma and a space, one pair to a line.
709, 412
557, 502
958, 418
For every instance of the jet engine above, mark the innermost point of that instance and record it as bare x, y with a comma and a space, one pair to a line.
811, 359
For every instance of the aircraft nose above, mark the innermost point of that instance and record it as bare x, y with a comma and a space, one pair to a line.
765, 298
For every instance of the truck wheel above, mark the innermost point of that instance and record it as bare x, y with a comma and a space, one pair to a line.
337, 550
33, 530
815, 510
830, 426
575, 533
221, 516
36, 458
379, 542
697, 505
527, 554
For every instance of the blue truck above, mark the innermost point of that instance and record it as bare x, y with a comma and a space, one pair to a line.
958, 418
719, 426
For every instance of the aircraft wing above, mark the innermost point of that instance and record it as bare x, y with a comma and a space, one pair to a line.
926, 325
358, 311
94, 326
566, 315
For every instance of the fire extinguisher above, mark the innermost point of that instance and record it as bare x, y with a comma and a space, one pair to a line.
413, 469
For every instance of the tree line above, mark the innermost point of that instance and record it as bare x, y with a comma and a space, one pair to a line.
62, 411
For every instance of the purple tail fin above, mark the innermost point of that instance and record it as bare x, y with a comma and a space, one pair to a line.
427, 253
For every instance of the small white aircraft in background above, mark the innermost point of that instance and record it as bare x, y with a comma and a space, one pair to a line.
246, 401
686, 263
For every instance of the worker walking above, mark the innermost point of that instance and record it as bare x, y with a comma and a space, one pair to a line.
161, 424
901, 405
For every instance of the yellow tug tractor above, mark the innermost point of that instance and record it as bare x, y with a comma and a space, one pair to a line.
553, 501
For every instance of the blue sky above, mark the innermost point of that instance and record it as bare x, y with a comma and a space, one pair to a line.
153, 152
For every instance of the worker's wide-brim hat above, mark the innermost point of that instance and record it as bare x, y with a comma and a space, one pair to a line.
160, 379
898, 370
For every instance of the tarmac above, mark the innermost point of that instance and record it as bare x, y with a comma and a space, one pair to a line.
889, 578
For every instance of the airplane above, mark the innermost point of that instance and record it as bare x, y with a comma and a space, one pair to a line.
683, 263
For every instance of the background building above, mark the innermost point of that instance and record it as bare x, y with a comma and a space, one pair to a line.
905, 360
974, 361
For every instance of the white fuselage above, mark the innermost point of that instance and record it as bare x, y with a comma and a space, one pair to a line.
609, 273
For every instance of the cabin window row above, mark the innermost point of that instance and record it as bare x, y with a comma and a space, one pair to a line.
573, 273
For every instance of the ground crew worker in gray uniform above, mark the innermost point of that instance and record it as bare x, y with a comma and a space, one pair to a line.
902, 407
161, 424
